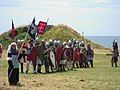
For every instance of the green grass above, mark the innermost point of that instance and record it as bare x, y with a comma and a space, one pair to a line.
101, 77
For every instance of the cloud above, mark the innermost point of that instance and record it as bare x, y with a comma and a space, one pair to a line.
75, 13
10, 3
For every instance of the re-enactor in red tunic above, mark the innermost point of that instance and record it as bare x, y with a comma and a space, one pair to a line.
31, 56
76, 56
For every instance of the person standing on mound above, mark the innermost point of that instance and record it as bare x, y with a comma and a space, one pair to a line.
90, 54
115, 52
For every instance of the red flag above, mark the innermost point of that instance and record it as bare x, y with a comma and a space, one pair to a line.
41, 27
13, 31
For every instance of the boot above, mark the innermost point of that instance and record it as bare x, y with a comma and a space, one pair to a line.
46, 69
73, 65
81, 65
39, 68
77, 65
34, 69
63, 67
52, 68
112, 63
91, 63
115, 64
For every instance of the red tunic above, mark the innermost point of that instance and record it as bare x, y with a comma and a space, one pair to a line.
33, 56
59, 51
69, 54
0, 50
76, 54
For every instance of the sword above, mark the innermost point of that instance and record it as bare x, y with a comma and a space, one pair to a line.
48, 49
10, 73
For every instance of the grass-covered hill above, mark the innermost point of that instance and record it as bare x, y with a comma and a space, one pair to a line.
61, 32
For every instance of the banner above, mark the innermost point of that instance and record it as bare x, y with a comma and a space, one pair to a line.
41, 27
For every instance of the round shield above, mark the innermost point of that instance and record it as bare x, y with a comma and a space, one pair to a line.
52, 58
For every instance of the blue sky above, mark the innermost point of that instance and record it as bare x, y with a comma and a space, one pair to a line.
94, 17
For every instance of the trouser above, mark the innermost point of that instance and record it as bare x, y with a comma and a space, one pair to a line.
24, 57
39, 64
112, 63
13, 75
27, 66
86, 65
16, 72
51, 66
114, 60
21, 67
91, 62
46, 66
75, 63
81, 64
70, 65
63, 67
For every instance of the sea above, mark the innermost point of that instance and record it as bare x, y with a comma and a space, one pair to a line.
105, 41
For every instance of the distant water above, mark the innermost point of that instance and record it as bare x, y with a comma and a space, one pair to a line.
105, 41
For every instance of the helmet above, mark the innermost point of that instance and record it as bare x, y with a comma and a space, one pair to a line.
47, 45
51, 42
64, 43
69, 43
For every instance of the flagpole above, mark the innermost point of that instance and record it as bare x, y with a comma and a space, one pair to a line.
62, 34
83, 35
47, 20
11, 30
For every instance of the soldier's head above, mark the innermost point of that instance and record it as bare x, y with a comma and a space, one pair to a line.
59, 43
115, 44
0, 45
14, 46
74, 40
81, 44
42, 41
51, 42
69, 43
31, 42
18, 41
77, 44
55, 43
47, 45
88, 45
64, 44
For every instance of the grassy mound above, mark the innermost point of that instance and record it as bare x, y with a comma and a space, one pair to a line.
61, 32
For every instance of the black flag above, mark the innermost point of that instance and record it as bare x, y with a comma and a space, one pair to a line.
32, 29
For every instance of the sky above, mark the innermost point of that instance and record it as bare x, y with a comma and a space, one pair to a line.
94, 17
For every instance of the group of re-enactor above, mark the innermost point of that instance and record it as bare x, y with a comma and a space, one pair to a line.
65, 56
